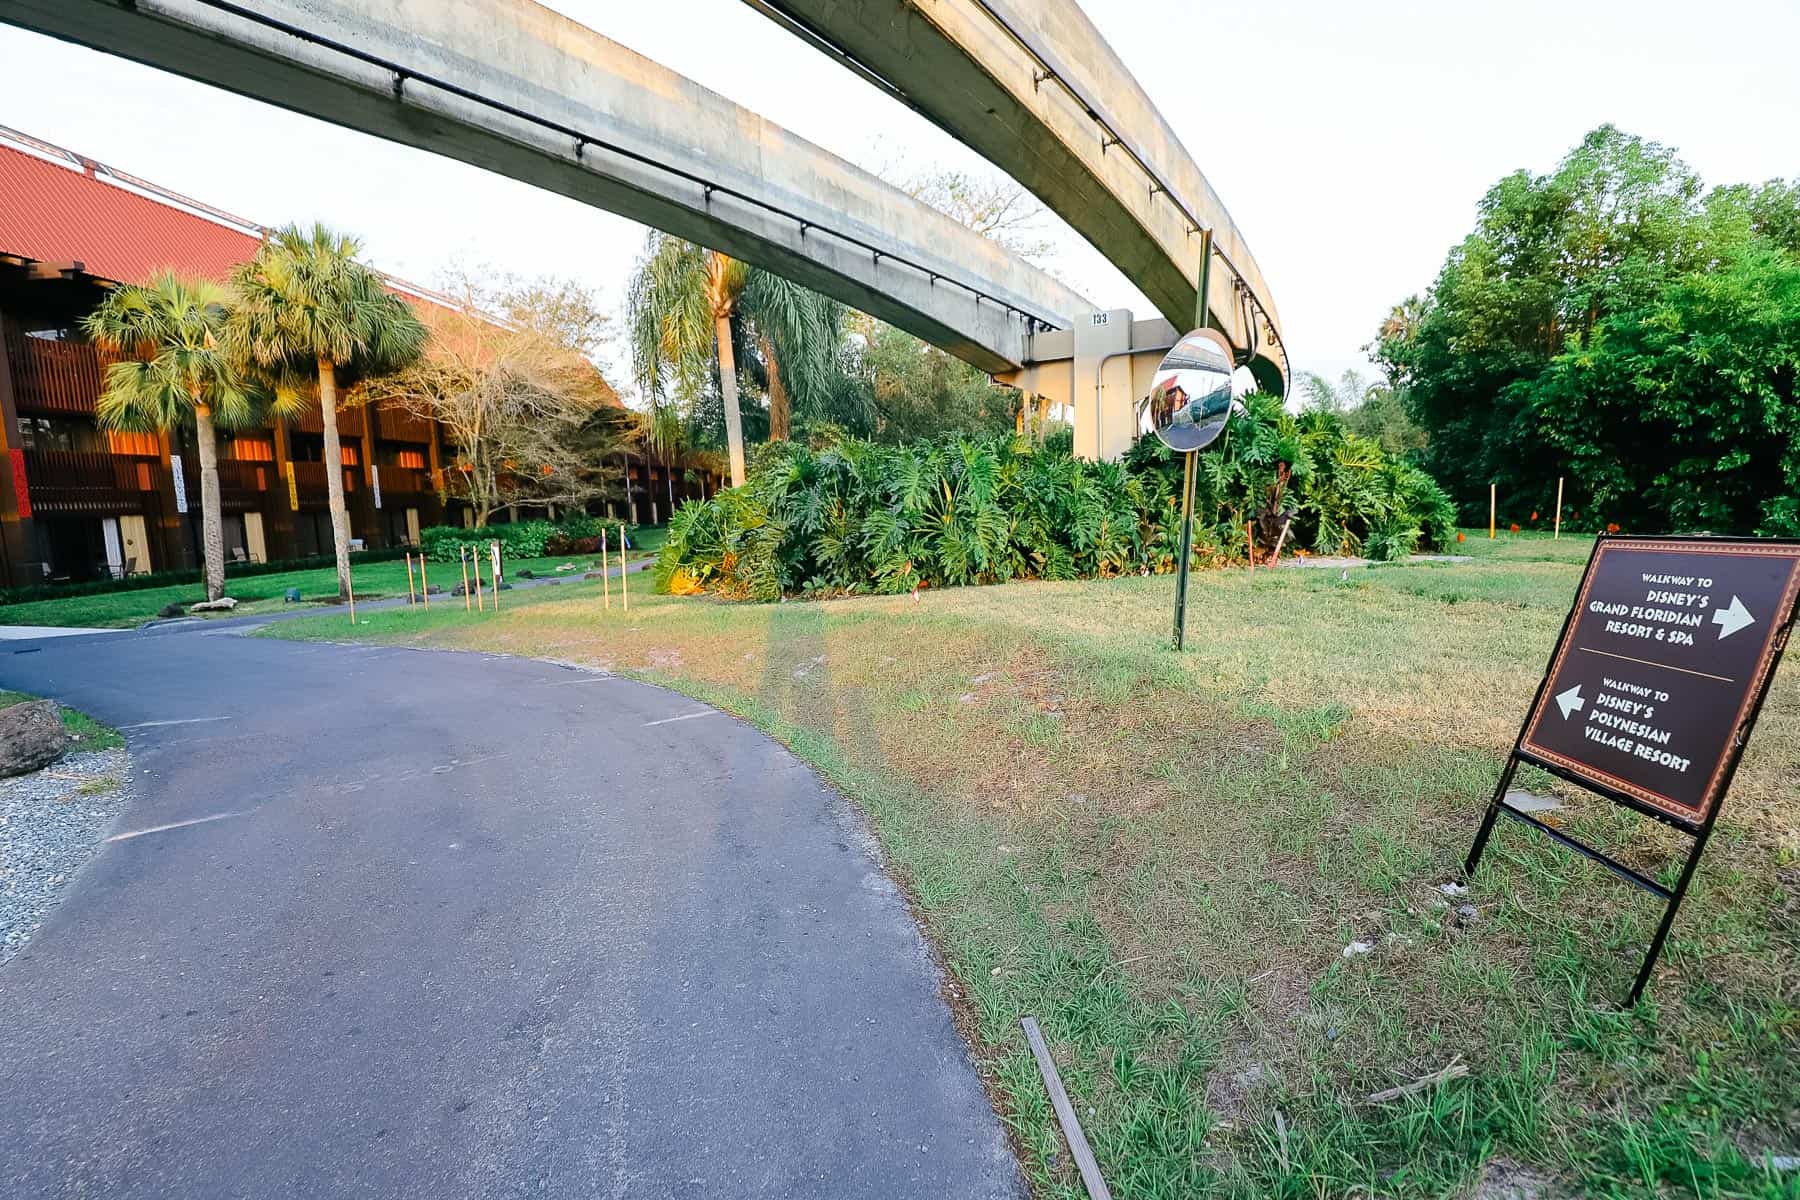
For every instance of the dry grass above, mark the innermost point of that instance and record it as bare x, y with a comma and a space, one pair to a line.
1163, 857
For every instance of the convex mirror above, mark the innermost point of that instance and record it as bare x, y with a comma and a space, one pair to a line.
1191, 396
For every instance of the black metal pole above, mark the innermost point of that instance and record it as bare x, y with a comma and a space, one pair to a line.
1493, 813
1668, 918
1187, 483
1187, 548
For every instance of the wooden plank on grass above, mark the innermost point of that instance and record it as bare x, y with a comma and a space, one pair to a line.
1065, 1114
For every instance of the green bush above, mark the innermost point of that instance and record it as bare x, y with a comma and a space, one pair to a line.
857, 516
520, 539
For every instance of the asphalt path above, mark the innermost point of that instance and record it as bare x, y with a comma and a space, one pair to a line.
402, 923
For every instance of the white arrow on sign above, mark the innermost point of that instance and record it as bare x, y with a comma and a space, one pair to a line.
1570, 701
1730, 620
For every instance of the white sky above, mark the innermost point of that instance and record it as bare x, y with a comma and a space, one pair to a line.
1351, 145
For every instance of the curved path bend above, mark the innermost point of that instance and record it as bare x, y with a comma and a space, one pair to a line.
402, 923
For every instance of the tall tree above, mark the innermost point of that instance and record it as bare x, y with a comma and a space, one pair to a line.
1684, 413
992, 204
1549, 258
918, 391
308, 313
665, 433
1613, 323
178, 372
682, 306
518, 398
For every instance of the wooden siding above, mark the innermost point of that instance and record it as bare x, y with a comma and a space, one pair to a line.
396, 425
55, 377
66, 481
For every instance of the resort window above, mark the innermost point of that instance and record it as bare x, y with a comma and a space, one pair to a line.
135, 444
252, 449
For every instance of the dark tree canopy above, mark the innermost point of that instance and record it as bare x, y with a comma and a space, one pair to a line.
1615, 323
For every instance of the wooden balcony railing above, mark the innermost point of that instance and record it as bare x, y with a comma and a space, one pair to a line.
56, 377
66, 481
309, 481
404, 481
241, 484
398, 425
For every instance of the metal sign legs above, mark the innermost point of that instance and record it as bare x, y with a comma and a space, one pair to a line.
1671, 897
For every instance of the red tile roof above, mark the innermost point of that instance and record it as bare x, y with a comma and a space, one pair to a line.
55, 212
59, 207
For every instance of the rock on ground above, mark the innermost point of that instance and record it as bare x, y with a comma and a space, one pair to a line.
50, 824
31, 736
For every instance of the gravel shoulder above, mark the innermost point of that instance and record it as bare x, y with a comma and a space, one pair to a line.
51, 821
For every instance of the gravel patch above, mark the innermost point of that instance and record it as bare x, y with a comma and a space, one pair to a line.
50, 823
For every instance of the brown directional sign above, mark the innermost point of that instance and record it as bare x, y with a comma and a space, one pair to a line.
1662, 667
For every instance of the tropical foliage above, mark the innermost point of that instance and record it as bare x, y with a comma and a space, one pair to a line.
1615, 323
309, 315
178, 371
696, 315
518, 539
858, 516
706, 329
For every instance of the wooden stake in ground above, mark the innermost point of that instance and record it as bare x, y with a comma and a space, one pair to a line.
605, 573
475, 561
411, 598
1493, 501
1250, 543
1280, 541
1065, 1114
462, 552
350, 591
1558, 533
424, 588
624, 588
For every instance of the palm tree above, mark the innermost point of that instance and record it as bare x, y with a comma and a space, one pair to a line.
682, 303
308, 313
665, 433
798, 332
179, 369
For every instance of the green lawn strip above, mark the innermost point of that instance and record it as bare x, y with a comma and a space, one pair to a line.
87, 733
265, 593
1524, 546
1162, 858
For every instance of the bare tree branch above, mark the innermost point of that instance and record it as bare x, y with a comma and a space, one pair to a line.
524, 407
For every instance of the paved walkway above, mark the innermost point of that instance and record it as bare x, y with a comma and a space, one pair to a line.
401, 923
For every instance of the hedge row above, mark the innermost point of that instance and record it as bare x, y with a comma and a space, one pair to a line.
856, 516
519, 539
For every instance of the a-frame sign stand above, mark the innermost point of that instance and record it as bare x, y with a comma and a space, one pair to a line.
1659, 674
1671, 897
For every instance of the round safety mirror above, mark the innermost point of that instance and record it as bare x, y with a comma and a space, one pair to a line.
1191, 394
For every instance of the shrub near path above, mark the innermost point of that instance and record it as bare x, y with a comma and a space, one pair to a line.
1164, 858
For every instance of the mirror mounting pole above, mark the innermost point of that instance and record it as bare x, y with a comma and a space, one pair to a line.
1205, 278
1187, 478
1187, 546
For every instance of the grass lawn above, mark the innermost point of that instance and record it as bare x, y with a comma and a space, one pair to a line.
1163, 858
264, 593
87, 733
